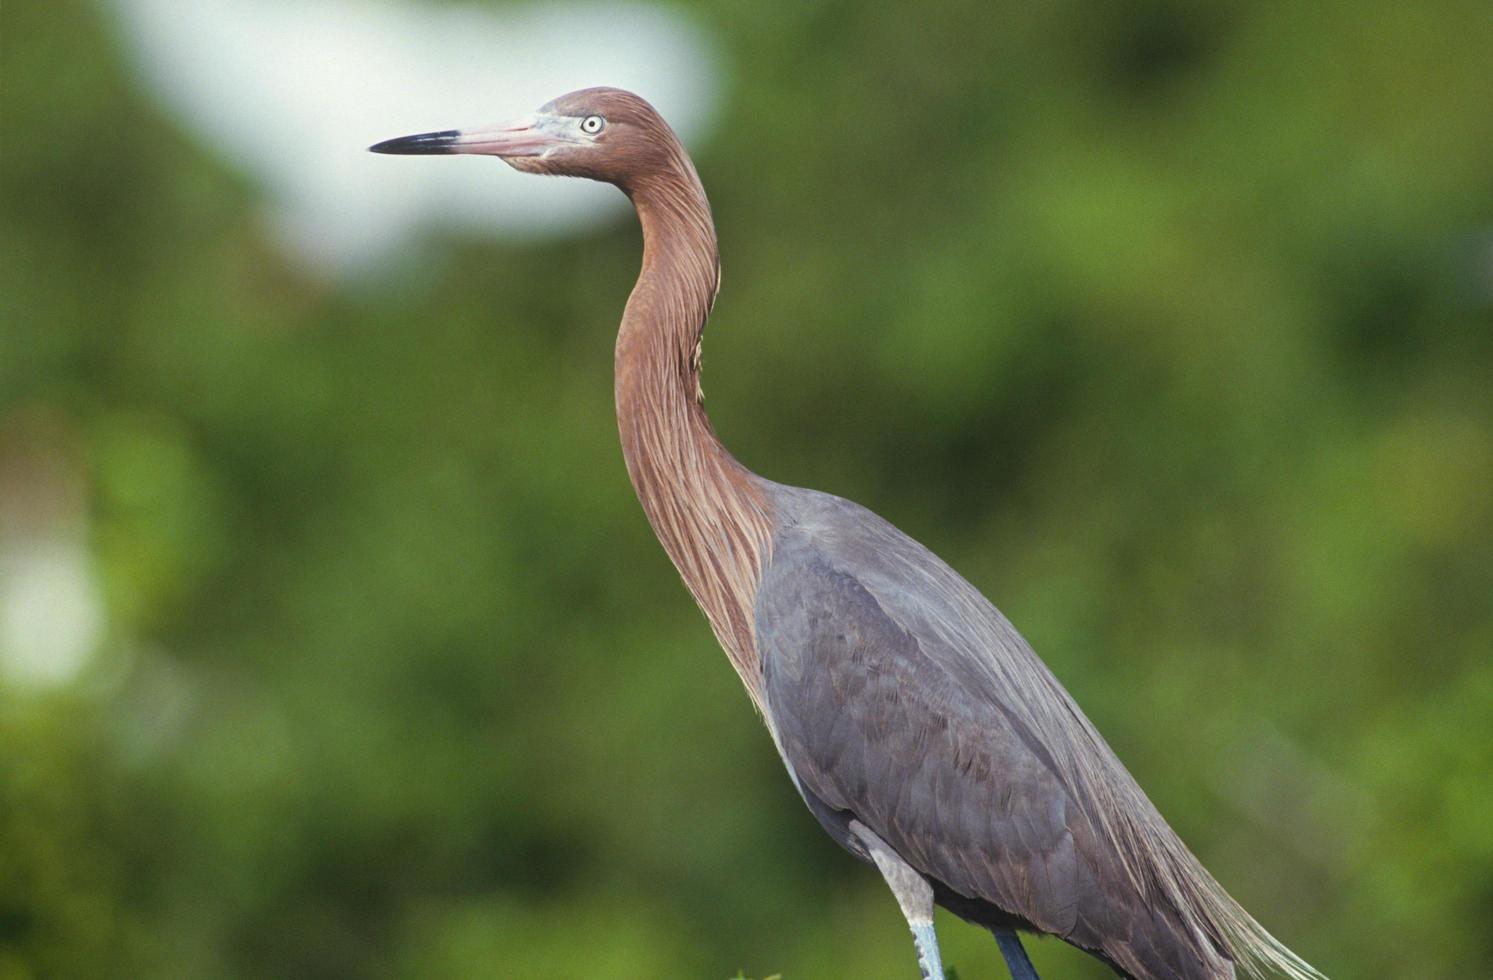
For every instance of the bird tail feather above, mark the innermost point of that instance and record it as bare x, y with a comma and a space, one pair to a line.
1254, 950
1157, 861
1161, 867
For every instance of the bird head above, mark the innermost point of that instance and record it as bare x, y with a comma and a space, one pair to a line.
603, 134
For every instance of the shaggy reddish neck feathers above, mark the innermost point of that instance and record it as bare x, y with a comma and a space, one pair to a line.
706, 508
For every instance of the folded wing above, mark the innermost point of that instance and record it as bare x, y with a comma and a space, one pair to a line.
903, 699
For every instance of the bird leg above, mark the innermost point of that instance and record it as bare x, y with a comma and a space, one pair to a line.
913, 894
1016, 960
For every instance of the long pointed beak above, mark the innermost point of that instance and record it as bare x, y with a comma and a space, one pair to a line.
527, 137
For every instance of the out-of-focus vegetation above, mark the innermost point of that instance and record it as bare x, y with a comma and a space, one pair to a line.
1168, 324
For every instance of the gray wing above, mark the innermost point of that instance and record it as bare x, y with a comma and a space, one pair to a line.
901, 697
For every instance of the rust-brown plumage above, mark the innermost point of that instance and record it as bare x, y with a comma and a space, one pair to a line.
922, 731
707, 510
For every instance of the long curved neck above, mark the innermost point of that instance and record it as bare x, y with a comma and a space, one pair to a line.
707, 509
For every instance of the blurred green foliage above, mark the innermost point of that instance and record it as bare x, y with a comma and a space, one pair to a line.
1167, 324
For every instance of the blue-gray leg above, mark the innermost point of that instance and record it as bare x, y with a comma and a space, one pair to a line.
913, 893
928, 960
1016, 961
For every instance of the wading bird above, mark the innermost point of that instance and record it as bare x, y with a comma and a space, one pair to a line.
920, 728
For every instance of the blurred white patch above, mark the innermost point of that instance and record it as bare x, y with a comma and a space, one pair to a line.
293, 92
51, 612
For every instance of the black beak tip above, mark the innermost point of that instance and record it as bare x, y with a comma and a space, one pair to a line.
425, 143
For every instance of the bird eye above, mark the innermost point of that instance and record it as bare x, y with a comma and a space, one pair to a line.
592, 124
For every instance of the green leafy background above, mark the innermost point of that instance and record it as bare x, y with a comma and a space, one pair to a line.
1167, 324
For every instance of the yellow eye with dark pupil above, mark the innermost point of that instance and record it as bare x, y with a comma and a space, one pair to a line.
592, 124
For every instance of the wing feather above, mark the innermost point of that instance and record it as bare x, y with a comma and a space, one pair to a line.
899, 696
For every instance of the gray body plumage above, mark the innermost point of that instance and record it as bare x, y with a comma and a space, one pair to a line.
901, 699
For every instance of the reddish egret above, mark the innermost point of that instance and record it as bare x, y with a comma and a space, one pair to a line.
920, 728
